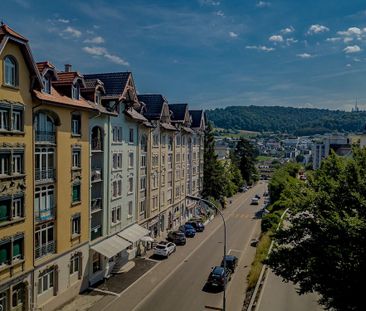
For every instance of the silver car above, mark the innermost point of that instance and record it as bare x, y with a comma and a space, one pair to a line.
164, 249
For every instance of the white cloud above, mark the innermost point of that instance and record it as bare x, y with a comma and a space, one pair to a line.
315, 29
73, 32
220, 13
304, 55
352, 49
287, 30
209, 2
95, 40
290, 41
101, 51
263, 4
63, 20
352, 31
276, 38
348, 65
334, 39
259, 48
233, 34
347, 39
95, 50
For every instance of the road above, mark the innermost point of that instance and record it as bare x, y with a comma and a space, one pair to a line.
280, 296
178, 283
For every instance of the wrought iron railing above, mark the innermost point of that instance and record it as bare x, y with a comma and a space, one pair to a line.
45, 249
96, 204
46, 136
97, 144
45, 174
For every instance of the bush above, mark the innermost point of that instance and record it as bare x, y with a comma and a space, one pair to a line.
270, 221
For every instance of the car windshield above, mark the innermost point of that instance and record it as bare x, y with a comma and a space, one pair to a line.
217, 271
160, 246
180, 234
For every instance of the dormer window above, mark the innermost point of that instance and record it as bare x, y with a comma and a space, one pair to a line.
47, 84
11, 71
97, 97
75, 91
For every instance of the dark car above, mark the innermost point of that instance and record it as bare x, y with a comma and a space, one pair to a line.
257, 196
197, 225
217, 277
231, 262
188, 231
177, 237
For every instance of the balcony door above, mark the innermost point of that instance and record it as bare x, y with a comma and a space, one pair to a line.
45, 163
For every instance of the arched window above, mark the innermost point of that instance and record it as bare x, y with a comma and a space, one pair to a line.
10, 71
45, 128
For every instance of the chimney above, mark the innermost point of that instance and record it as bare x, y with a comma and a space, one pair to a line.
68, 67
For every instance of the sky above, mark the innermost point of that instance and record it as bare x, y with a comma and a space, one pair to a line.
209, 53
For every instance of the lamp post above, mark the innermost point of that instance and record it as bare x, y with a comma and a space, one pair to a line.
223, 219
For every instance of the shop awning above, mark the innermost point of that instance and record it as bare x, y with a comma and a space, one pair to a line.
111, 246
133, 233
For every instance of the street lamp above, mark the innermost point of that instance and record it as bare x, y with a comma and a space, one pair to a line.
223, 219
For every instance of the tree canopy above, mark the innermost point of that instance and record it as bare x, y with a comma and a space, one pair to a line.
322, 246
297, 121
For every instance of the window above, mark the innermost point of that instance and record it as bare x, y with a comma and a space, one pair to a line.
5, 163
131, 136
155, 202
143, 160
163, 160
162, 178
76, 158
11, 208
11, 250
96, 262
98, 97
154, 180
17, 164
170, 161
130, 160
116, 215
143, 183
44, 163
144, 143
142, 206
156, 140
170, 179
130, 185
130, 209
117, 134
17, 210
76, 192
178, 138
74, 264
11, 71
75, 225
163, 140
170, 143
117, 188
44, 202
177, 158
45, 280
4, 119
117, 161
155, 160
75, 91
44, 240
47, 84
76, 124
17, 121
18, 297
45, 128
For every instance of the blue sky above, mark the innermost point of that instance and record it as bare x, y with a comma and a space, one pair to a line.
209, 53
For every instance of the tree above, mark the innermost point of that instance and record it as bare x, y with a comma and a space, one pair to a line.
244, 157
213, 183
323, 246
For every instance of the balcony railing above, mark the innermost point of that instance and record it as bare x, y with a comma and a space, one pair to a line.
45, 249
46, 136
96, 232
45, 214
96, 204
96, 175
96, 144
45, 174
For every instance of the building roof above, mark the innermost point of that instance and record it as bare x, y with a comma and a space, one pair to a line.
133, 114
114, 82
43, 65
66, 78
153, 105
196, 117
179, 111
6, 30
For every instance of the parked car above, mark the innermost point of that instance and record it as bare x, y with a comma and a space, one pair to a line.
255, 201
254, 242
257, 196
197, 225
217, 277
231, 262
177, 237
265, 194
188, 231
164, 249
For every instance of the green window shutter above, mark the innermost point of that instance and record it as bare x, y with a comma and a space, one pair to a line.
4, 212
76, 193
17, 248
3, 255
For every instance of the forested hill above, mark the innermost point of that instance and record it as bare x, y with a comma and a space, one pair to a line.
298, 121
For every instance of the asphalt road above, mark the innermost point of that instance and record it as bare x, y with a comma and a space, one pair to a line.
178, 283
280, 296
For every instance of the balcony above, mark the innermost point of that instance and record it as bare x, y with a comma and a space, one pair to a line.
45, 249
96, 204
45, 174
45, 214
96, 145
96, 232
45, 136
96, 175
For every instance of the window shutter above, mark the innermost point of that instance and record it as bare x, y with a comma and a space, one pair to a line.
4, 212
3, 255
17, 249
80, 271
55, 281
